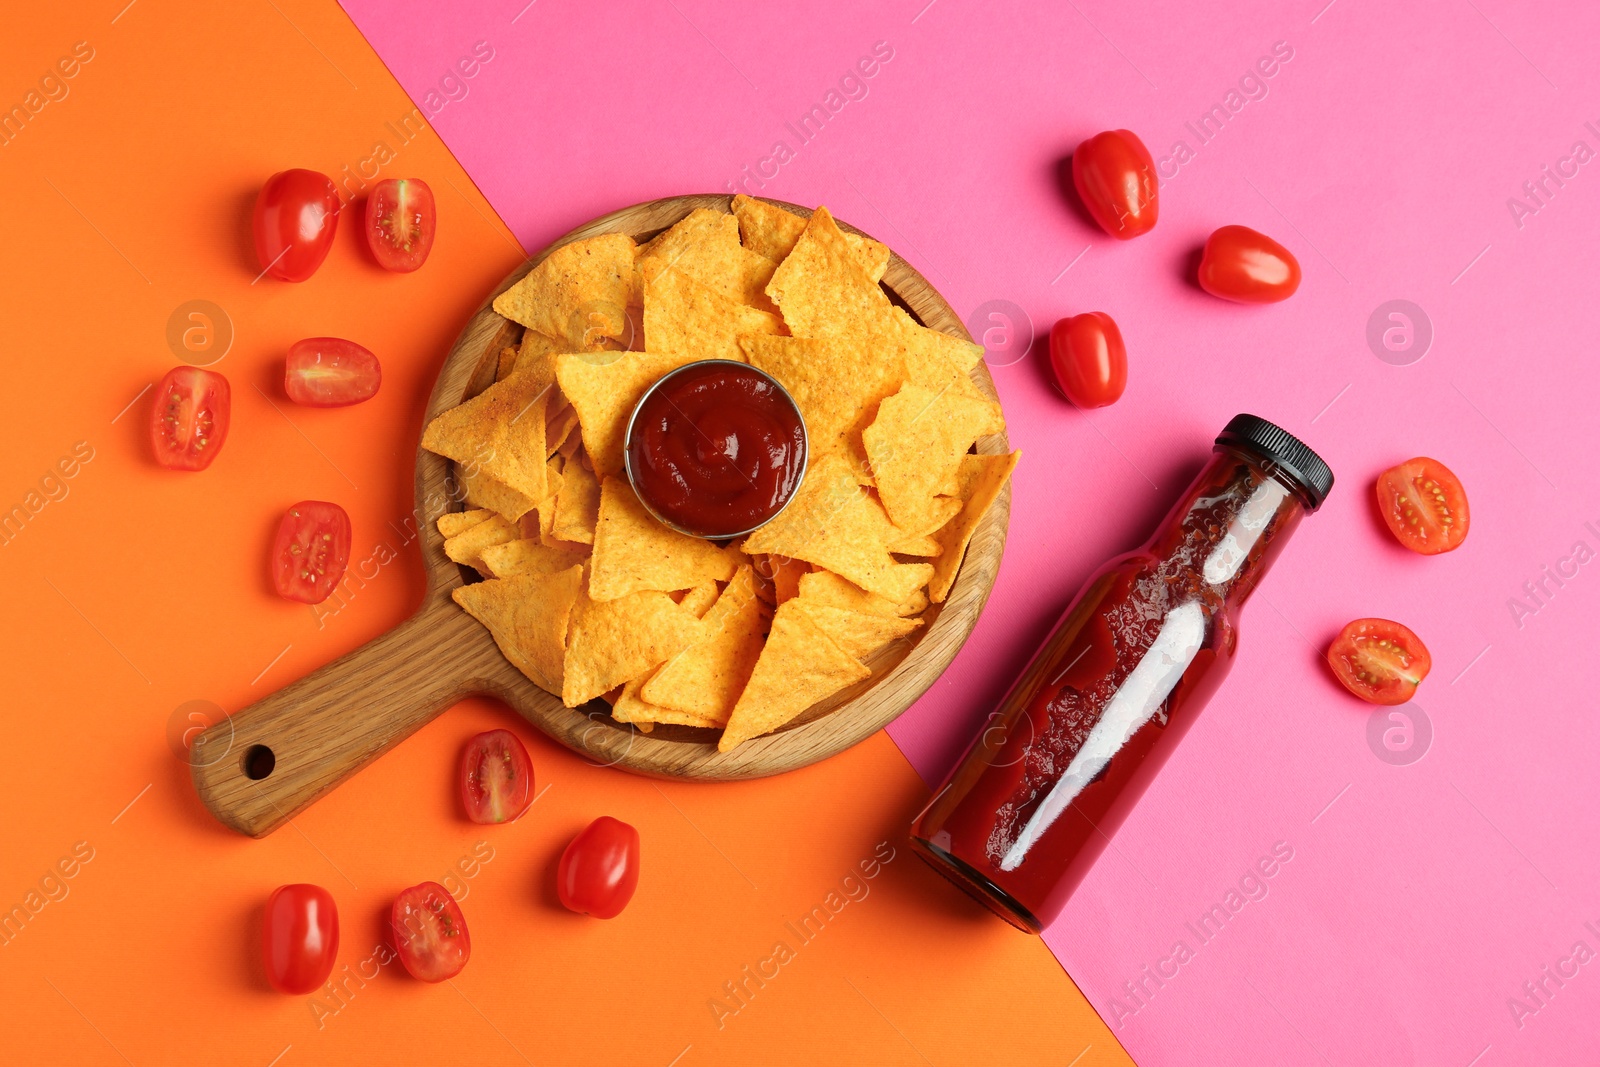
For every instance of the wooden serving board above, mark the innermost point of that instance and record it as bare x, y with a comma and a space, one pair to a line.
285, 751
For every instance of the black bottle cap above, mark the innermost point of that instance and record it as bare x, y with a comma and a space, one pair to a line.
1283, 451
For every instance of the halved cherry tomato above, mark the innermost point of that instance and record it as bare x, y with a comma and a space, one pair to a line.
430, 933
496, 777
1116, 180
296, 214
401, 222
1247, 267
1089, 359
1424, 505
311, 551
1379, 661
189, 418
600, 869
330, 372
299, 937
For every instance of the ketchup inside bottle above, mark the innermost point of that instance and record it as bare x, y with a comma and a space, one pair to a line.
1072, 746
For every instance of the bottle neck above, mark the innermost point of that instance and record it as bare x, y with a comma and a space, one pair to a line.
1226, 530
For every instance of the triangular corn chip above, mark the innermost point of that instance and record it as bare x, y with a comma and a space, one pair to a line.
616, 640
499, 433
527, 615
579, 294
979, 481
634, 551
799, 666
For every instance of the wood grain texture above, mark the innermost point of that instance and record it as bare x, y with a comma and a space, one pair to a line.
327, 726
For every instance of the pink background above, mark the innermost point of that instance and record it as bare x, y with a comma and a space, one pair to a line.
1419, 898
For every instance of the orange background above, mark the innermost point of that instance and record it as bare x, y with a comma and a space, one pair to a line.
142, 590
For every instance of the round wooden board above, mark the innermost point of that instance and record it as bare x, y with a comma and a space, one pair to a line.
328, 725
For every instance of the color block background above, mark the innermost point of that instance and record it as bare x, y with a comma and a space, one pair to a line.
1431, 912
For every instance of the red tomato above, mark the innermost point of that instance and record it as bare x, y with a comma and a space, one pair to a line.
496, 777
189, 418
430, 933
296, 215
600, 869
1089, 360
311, 551
299, 937
1247, 267
1424, 505
1116, 180
330, 372
1379, 661
401, 221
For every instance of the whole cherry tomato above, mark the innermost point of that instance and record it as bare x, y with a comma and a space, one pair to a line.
311, 551
295, 218
189, 418
430, 933
1379, 661
600, 869
1247, 267
496, 777
299, 937
1424, 505
330, 372
1089, 360
1116, 180
401, 221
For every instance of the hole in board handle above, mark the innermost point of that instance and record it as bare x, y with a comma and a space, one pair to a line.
258, 762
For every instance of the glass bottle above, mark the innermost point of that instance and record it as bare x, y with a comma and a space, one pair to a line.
1078, 738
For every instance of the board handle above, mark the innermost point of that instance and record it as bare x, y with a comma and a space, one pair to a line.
258, 768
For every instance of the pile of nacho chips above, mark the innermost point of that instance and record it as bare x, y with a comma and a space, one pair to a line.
591, 597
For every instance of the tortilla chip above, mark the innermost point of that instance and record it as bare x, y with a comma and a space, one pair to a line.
527, 615
836, 384
499, 432
785, 577
616, 640
835, 524
980, 479
822, 290
924, 546
578, 505
859, 633
799, 666
686, 318
483, 491
633, 551
915, 444
455, 522
706, 678
933, 343
526, 555
630, 707
699, 599
508, 360
468, 546
579, 294
773, 231
605, 388
557, 426
705, 247
825, 587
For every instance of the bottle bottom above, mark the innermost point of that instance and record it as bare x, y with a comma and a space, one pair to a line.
976, 885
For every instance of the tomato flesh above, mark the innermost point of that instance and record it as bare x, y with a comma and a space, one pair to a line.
1089, 359
1380, 661
311, 551
299, 937
330, 372
189, 418
430, 933
400, 223
1116, 180
1247, 267
496, 777
1424, 505
600, 869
